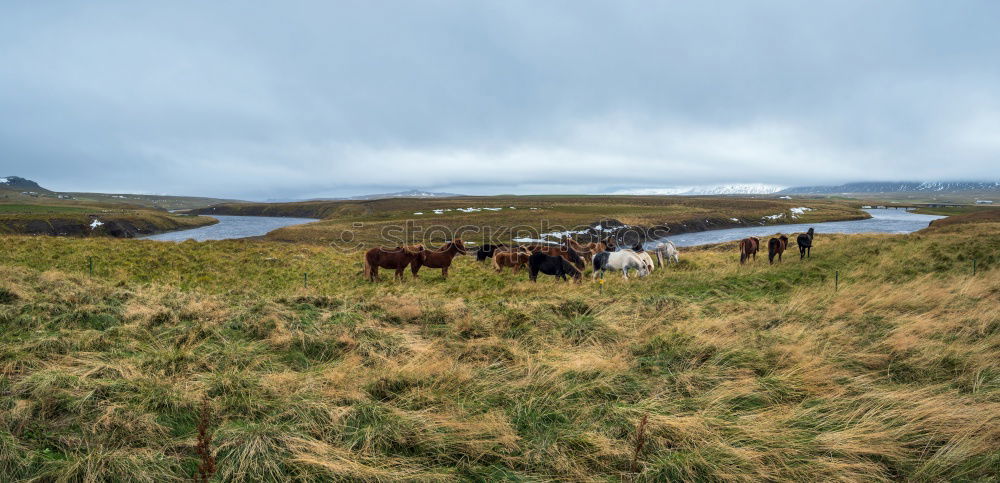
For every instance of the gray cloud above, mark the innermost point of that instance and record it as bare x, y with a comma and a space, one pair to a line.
261, 99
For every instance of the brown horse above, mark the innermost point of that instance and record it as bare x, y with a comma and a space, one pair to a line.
440, 258
588, 250
516, 259
748, 248
581, 249
392, 258
566, 252
776, 246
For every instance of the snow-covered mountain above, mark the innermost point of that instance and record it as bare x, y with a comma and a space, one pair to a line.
896, 186
414, 193
706, 190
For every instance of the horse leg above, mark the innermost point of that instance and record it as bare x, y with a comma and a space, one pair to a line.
414, 268
444, 273
399, 273
373, 274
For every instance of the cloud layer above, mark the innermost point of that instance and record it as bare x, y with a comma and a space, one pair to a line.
261, 100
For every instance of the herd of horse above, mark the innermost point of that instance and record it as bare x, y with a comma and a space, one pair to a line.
565, 261
776, 247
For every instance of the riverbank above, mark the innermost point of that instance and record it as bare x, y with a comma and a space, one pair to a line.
506, 218
879, 221
124, 224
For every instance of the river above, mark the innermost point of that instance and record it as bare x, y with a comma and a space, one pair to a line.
882, 221
231, 227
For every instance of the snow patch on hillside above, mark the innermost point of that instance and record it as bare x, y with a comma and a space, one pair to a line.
706, 190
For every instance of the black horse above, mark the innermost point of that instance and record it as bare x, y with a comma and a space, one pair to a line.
551, 265
805, 243
487, 251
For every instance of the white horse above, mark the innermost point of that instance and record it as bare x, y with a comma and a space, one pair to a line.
666, 251
621, 260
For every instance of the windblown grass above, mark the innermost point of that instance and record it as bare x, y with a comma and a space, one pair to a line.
744, 373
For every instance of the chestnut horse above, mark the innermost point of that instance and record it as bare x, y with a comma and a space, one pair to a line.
776, 246
440, 258
748, 248
392, 258
516, 259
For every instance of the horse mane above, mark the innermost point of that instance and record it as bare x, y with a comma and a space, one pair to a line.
412, 249
574, 255
455, 244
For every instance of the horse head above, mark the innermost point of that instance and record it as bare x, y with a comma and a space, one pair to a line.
458, 245
575, 257
572, 271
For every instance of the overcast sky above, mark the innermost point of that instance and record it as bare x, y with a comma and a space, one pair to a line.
298, 99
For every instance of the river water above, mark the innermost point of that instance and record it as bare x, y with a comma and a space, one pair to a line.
231, 227
882, 221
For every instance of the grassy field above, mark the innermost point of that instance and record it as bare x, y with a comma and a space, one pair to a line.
33, 209
504, 217
740, 373
37, 198
957, 210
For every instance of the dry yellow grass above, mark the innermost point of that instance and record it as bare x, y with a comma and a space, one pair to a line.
745, 373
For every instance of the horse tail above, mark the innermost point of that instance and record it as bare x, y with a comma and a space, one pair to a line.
368, 267
496, 261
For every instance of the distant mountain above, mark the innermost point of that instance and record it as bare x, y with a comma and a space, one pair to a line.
895, 187
400, 194
19, 183
721, 189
